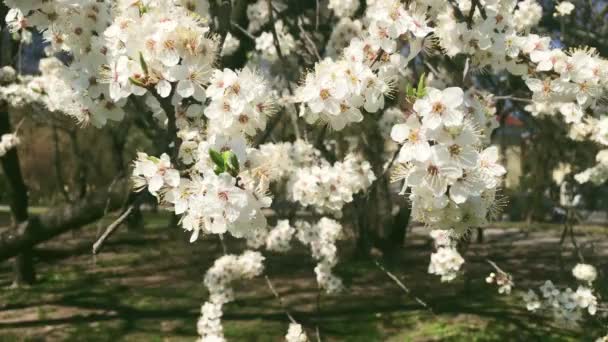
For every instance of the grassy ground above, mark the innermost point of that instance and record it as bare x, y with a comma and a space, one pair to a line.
147, 286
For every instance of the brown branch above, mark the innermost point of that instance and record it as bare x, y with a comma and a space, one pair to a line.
224, 14
59, 220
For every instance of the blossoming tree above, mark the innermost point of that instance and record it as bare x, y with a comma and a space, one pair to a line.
387, 115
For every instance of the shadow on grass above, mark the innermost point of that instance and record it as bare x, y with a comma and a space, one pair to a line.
148, 286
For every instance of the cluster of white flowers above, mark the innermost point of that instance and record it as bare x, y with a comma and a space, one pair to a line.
327, 187
343, 8
156, 47
445, 261
597, 174
258, 15
566, 305
74, 89
279, 237
585, 273
240, 102
345, 30
452, 181
7, 142
295, 333
322, 237
7, 75
336, 90
564, 8
282, 160
503, 280
265, 42
527, 15
210, 203
224, 271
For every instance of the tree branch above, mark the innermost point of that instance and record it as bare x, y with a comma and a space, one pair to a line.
59, 220
111, 229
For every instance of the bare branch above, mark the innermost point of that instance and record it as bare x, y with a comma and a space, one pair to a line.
402, 286
111, 229
281, 302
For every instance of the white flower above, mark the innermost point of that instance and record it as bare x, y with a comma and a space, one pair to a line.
343, 8
563, 8
436, 172
7, 142
532, 301
413, 137
584, 272
440, 107
489, 167
155, 172
446, 262
191, 79
584, 298
295, 333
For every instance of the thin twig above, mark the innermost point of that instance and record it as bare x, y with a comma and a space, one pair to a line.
223, 244
482, 10
470, 17
245, 32
318, 10
466, 69
277, 46
575, 244
390, 164
281, 302
512, 98
500, 270
112, 228
307, 38
402, 286
318, 314
457, 11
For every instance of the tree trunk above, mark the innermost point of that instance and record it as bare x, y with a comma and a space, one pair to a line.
395, 238
135, 221
24, 263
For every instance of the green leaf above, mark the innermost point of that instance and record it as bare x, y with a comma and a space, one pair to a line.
154, 159
421, 90
219, 170
142, 9
231, 162
136, 82
216, 157
144, 66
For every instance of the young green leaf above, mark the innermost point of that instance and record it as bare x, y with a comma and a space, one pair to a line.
144, 66
216, 157
421, 90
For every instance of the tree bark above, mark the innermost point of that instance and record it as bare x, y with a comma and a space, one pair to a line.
395, 237
59, 220
24, 263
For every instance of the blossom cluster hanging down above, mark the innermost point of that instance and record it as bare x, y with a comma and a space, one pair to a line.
217, 280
